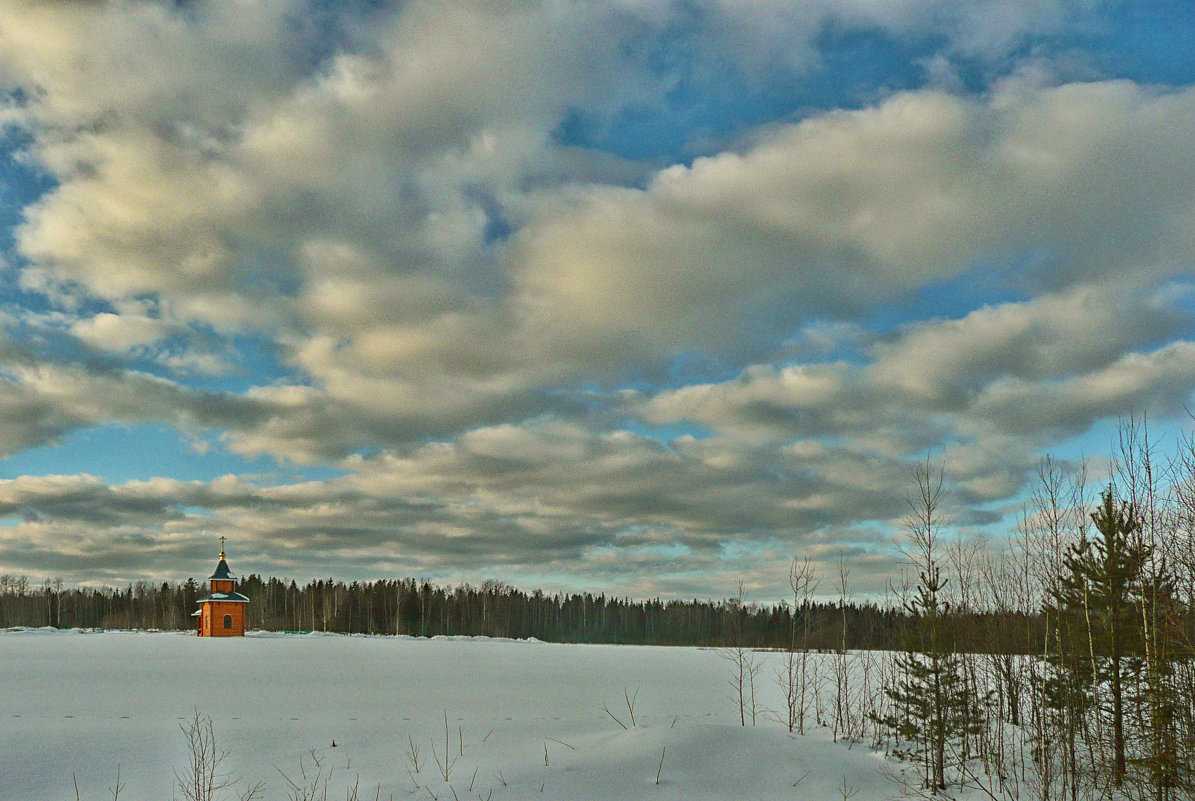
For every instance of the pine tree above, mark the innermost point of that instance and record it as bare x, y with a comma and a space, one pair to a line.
1097, 594
1169, 770
934, 707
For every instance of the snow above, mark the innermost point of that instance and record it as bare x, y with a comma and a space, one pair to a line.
86, 702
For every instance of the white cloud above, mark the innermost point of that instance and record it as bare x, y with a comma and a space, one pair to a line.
1052, 336
846, 211
116, 332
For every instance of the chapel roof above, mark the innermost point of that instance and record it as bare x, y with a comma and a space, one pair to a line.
222, 571
225, 597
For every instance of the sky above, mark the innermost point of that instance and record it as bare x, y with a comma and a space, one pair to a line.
642, 297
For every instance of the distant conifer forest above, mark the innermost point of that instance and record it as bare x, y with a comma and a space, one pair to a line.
424, 609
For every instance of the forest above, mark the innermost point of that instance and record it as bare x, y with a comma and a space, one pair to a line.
421, 608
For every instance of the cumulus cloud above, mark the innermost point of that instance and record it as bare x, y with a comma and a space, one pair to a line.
120, 333
848, 210
521, 503
1052, 336
340, 201
988, 392
938, 367
42, 401
400, 154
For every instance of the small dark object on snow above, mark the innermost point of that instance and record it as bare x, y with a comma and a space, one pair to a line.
333, 743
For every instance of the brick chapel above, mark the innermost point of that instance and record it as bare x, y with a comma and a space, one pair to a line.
222, 612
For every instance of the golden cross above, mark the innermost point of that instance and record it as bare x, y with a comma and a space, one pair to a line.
221, 547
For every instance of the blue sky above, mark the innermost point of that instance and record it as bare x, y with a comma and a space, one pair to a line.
641, 298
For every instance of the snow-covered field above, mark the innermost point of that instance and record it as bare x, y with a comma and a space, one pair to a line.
88, 702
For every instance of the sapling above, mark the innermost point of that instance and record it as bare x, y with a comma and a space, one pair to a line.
449, 760
793, 674
630, 702
842, 722
308, 788
204, 779
412, 753
745, 665
116, 788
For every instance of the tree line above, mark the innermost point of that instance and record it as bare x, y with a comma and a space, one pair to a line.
426, 609
422, 608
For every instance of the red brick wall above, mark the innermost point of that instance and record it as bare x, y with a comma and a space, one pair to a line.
213, 619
